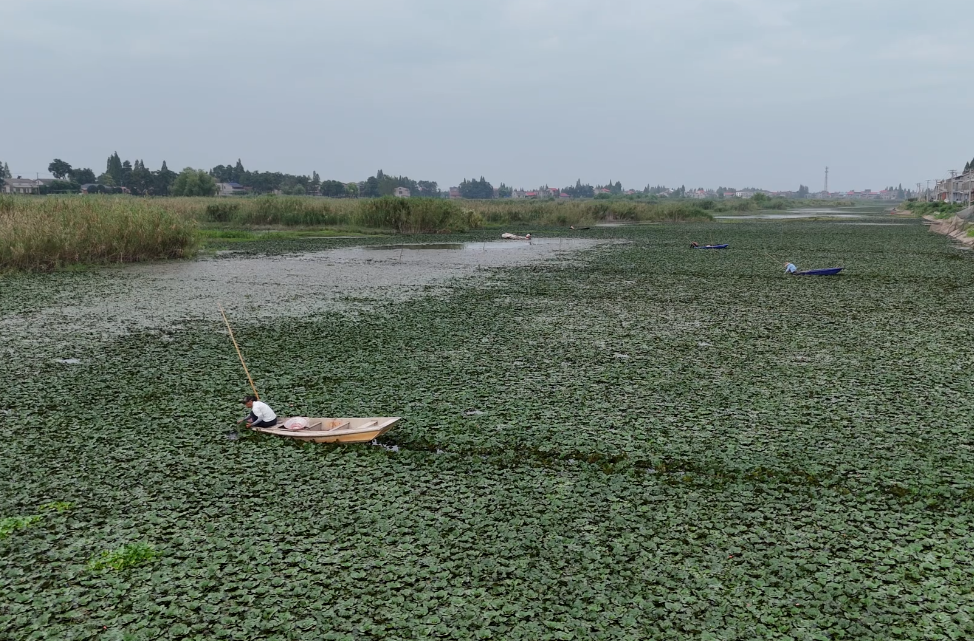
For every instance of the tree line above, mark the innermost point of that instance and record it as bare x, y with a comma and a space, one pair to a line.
121, 176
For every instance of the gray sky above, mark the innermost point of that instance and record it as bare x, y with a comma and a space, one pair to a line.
527, 92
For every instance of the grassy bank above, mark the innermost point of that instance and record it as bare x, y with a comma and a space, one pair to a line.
48, 233
936, 208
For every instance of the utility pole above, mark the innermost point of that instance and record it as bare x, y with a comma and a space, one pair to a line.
826, 180
950, 185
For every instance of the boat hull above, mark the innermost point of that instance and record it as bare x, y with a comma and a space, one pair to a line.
335, 430
830, 271
714, 246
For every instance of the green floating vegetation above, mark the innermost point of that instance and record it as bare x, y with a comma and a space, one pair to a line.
638, 441
58, 506
11, 524
128, 556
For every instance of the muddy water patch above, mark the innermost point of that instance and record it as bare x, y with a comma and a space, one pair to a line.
167, 296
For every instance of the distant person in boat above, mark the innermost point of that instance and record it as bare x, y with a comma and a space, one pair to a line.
261, 414
790, 268
694, 245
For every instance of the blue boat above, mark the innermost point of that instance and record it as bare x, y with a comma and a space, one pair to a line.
828, 271
711, 246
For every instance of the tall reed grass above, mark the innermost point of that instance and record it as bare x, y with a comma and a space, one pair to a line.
52, 232
38, 233
554, 213
416, 215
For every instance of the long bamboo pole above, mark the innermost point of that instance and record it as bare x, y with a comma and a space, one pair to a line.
252, 386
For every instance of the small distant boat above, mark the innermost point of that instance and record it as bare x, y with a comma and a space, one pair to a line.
332, 430
711, 246
828, 271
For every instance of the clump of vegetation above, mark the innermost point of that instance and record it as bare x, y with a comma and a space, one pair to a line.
128, 556
555, 213
48, 233
416, 215
13, 523
289, 211
222, 212
58, 506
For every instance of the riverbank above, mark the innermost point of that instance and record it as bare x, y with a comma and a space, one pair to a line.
959, 227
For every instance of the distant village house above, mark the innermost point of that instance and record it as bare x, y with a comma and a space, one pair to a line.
20, 185
230, 189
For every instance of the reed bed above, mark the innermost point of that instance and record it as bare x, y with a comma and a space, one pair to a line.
44, 233
38, 234
423, 215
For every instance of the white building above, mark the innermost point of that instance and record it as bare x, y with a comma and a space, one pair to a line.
230, 189
401, 192
20, 185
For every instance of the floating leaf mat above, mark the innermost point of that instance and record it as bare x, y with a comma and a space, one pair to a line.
644, 442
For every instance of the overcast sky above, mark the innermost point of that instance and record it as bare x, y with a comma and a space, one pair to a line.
527, 92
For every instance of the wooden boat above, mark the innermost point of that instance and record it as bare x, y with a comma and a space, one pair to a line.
828, 271
333, 430
713, 246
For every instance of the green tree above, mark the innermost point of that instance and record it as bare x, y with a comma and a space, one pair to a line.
4, 172
162, 180
222, 173
61, 187
83, 176
333, 189
371, 187
140, 180
106, 179
476, 189
59, 169
427, 189
760, 198
113, 167
124, 177
239, 174
193, 182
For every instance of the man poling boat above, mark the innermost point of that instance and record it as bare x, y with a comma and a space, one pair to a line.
261, 414
316, 430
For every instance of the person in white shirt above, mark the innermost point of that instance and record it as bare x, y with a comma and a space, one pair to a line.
261, 414
790, 268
